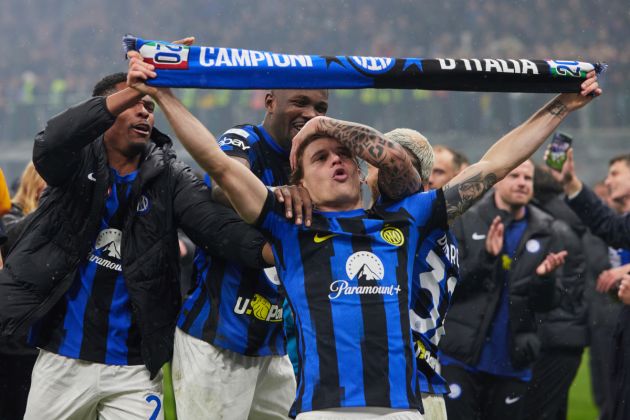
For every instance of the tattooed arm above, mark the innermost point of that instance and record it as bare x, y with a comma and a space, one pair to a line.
397, 176
513, 149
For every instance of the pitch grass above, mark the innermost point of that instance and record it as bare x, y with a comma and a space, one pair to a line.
169, 399
581, 405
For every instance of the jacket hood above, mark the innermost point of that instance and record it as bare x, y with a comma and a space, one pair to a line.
159, 138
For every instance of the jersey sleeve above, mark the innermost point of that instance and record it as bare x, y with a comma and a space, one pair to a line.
427, 208
272, 221
235, 142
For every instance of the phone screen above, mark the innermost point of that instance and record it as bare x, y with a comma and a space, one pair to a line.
560, 143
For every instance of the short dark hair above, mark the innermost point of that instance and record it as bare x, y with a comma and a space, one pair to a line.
624, 157
107, 85
459, 159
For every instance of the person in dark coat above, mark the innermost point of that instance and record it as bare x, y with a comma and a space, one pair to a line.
16, 356
95, 273
491, 339
563, 331
614, 229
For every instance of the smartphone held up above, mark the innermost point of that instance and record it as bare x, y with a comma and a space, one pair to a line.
557, 154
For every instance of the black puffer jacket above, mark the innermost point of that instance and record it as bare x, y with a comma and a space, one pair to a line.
69, 154
477, 295
13, 223
3, 234
566, 325
12, 226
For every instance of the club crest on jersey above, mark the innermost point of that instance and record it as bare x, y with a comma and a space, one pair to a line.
372, 65
165, 56
144, 205
258, 307
393, 236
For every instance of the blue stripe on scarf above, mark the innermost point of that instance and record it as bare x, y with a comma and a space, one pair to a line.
231, 68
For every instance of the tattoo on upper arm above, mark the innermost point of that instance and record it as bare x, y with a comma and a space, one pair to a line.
396, 171
557, 108
460, 197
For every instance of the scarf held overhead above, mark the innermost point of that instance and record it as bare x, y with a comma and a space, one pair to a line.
231, 68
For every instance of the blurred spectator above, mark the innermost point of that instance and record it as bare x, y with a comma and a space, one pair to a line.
563, 330
603, 310
448, 163
17, 357
75, 39
5, 197
615, 230
26, 200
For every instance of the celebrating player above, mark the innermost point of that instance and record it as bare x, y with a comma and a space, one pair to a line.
347, 277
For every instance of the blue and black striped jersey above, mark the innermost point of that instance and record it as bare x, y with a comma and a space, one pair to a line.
348, 280
94, 321
437, 273
233, 307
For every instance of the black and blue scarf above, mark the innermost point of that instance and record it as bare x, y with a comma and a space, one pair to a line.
232, 68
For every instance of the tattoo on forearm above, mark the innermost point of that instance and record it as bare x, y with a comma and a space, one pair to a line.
370, 145
557, 108
462, 196
363, 141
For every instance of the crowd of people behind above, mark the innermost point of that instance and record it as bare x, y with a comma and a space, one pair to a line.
74, 38
92, 267
93, 251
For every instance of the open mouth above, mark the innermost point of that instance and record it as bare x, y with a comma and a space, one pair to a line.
142, 129
340, 174
297, 125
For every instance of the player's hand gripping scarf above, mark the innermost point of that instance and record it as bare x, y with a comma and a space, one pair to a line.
231, 68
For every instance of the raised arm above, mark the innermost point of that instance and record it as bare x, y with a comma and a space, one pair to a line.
513, 149
57, 149
397, 176
246, 192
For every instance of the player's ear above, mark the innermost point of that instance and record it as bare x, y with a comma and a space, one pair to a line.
269, 101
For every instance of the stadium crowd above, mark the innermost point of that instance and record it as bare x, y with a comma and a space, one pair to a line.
76, 40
